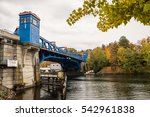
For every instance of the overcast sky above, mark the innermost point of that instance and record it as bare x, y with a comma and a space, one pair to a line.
53, 13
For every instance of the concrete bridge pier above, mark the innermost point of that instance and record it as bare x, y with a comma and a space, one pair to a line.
83, 67
19, 63
31, 67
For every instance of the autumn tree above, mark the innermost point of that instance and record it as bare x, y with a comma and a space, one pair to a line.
97, 59
45, 63
124, 42
71, 50
145, 50
132, 58
133, 61
113, 59
121, 56
113, 14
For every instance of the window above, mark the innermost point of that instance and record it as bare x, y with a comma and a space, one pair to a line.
31, 19
25, 20
22, 20
35, 22
28, 19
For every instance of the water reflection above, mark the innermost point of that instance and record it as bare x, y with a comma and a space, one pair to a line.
109, 87
38, 93
119, 87
29, 94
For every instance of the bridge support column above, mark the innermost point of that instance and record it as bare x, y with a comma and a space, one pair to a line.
31, 66
83, 67
19, 64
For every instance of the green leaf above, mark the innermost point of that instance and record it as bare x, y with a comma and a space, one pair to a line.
146, 7
113, 14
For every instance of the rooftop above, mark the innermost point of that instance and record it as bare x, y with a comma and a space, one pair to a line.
29, 12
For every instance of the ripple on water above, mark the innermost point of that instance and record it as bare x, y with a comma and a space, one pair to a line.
120, 87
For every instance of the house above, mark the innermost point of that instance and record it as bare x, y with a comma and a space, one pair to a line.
55, 67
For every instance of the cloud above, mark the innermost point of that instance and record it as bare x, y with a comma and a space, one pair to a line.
53, 13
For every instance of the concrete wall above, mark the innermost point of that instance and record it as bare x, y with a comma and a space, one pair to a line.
8, 77
31, 68
6, 73
27, 71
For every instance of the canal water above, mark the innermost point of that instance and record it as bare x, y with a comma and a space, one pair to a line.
106, 87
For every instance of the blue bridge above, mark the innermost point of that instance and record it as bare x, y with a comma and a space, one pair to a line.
29, 32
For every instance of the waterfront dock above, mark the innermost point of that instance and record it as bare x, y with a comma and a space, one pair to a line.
55, 83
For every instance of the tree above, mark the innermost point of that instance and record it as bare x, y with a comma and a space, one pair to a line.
97, 59
45, 63
121, 57
71, 50
113, 14
124, 42
133, 60
108, 54
113, 59
145, 50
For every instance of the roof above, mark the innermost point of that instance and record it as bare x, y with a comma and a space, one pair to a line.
6, 34
29, 13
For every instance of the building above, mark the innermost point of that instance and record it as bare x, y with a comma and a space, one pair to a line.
19, 54
55, 67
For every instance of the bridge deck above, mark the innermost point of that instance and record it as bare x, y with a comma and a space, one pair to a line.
51, 47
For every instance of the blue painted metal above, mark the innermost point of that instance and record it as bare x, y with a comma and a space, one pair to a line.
29, 25
66, 62
49, 51
51, 47
29, 33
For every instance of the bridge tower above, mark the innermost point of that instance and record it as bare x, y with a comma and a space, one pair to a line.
29, 28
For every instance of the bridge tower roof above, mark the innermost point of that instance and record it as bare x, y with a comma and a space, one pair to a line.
29, 13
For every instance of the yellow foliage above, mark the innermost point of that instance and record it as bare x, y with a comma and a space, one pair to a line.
120, 53
108, 53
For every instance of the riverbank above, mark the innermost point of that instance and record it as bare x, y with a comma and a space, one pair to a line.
118, 70
74, 74
6, 94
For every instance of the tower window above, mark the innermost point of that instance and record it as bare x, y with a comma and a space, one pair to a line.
35, 22
21, 20
31, 20
25, 20
28, 19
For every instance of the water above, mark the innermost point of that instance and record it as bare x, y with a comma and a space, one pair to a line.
119, 87
109, 87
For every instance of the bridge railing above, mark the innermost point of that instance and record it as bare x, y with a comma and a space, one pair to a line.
52, 47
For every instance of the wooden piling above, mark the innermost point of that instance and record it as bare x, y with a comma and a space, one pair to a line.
55, 83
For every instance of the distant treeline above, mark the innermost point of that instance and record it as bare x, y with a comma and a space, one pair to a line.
132, 58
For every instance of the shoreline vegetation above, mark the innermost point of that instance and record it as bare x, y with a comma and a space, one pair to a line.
119, 71
122, 57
